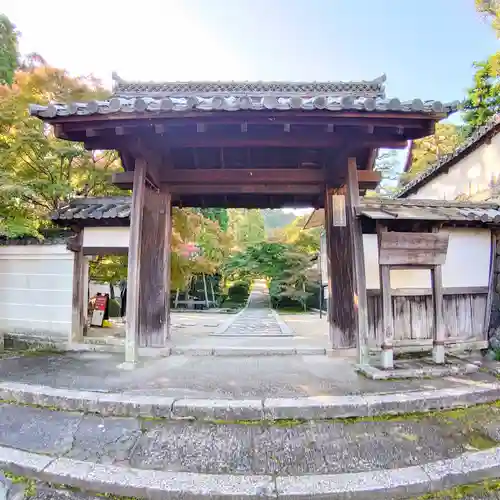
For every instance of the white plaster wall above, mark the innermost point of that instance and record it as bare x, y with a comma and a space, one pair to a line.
106, 237
471, 175
467, 262
36, 283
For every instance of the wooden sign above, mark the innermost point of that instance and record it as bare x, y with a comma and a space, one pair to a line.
338, 210
417, 249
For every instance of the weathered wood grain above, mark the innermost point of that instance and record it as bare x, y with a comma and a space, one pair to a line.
153, 284
78, 303
413, 318
134, 262
413, 248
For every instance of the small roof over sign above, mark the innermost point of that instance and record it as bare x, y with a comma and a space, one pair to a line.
420, 210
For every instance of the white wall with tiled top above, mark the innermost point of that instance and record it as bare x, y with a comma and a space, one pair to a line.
36, 283
473, 174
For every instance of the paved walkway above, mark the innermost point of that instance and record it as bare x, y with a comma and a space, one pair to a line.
312, 447
257, 319
214, 377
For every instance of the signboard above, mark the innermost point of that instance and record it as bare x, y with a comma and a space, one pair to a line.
338, 210
101, 302
417, 249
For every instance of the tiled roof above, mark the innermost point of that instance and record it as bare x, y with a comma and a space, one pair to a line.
420, 210
136, 97
118, 208
367, 88
474, 141
81, 209
243, 103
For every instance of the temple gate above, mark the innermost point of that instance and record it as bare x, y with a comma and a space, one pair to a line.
253, 145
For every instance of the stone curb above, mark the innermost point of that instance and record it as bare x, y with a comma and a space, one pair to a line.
378, 484
307, 408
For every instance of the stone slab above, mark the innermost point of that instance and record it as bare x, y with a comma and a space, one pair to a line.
218, 409
319, 407
152, 484
374, 373
311, 408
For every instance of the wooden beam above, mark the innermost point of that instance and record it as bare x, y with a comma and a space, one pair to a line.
248, 140
79, 307
386, 342
246, 176
265, 189
358, 257
134, 262
438, 349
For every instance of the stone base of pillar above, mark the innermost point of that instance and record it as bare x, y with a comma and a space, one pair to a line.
438, 352
387, 359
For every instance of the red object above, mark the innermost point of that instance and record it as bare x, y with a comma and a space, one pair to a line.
101, 302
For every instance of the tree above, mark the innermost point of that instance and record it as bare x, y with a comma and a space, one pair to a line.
8, 51
285, 265
246, 227
426, 151
40, 172
387, 164
491, 10
483, 99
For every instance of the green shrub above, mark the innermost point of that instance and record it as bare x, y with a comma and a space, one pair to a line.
239, 292
114, 308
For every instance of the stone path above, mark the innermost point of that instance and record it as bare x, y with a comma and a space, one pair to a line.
312, 447
257, 319
214, 377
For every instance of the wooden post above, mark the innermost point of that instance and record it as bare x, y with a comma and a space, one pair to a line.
386, 343
340, 311
358, 261
154, 295
167, 252
78, 306
134, 262
346, 311
205, 288
438, 351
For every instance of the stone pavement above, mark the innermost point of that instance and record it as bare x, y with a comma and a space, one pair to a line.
257, 319
212, 377
283, 450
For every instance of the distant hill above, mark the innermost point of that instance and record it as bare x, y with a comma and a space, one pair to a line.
276, 219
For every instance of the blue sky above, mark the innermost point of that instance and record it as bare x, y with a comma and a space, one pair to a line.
425, 47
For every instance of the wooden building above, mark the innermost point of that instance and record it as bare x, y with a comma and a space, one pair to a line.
249, 144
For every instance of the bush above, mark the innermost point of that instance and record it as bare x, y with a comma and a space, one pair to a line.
239, 292
114, 308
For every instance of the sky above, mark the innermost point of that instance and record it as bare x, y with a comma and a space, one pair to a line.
425, 47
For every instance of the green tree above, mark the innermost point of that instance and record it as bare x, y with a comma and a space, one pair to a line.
9, 57
483, 99
246, 227
491, 10
426, 151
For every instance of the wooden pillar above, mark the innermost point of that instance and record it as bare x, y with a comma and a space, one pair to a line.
134, 261
387, 340
167, 269
79, 307
356, 233
154, 296
438, 352
345, 264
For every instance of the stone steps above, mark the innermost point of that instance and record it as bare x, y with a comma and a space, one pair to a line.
400, 457
135, 404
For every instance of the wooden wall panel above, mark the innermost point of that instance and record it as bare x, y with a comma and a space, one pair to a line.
464, 317
153, 295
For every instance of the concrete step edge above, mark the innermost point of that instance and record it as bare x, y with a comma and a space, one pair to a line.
124, 481
306, 408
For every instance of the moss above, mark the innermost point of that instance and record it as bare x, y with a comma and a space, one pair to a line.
29, 484
463, 491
